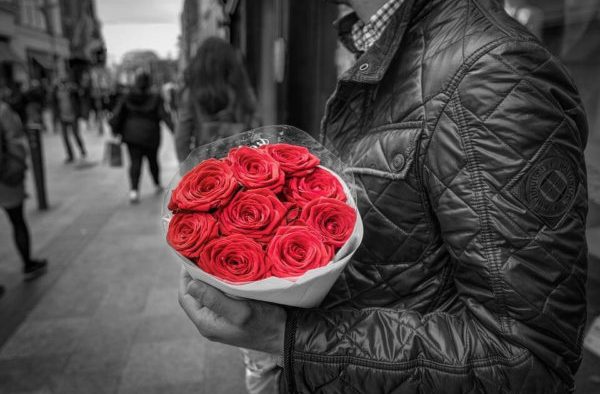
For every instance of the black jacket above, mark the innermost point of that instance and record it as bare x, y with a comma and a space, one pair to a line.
137, 119
466, 138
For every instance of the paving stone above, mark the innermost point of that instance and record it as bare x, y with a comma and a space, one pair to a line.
165, 363
158, 328
185, 388
77, 299
16, 373
104, 348
88, 383
124, 297
162, 301
182, 362
45, 338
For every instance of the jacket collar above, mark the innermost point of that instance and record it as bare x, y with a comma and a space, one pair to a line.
372, 65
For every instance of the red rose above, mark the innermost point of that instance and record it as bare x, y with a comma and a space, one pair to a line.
296, 249
294, 160
188, 232
209, 185
319, 183
255, 169
254, 213
333, 219
235, 258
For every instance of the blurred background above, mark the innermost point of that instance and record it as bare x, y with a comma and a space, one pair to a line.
104, 318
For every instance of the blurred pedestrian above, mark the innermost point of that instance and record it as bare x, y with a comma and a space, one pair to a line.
218, 100
14, 96
137, 120
169, 92
34, 104
84, 93
13, 166
67, 107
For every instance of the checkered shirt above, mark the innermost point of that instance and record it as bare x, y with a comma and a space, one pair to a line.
365, 34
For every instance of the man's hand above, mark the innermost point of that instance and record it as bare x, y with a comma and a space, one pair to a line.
248, 324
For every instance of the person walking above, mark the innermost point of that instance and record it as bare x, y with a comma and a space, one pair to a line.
67, 107
218, 100
137, 121
467, 138
13, 166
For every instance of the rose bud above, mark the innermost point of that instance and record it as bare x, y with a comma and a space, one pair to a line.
294, 160
333, 219
254, 213
209, 185
319, 183
255, 169
188, 232
235, 258
295, 250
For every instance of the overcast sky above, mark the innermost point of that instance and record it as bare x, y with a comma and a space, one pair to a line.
140, 24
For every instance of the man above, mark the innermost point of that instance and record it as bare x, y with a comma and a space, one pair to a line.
68, 109
466, 136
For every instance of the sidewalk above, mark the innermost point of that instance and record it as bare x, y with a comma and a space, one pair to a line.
105, 319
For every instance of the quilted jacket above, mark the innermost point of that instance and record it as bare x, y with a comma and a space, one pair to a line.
466, 139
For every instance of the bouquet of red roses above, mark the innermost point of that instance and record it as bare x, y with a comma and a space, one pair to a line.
267, 214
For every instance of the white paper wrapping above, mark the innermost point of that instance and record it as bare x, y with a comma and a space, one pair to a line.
305, 291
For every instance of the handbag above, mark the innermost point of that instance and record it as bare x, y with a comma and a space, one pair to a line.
113, 154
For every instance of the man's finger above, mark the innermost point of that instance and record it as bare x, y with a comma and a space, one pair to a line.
236, 312
184, 280
190, 305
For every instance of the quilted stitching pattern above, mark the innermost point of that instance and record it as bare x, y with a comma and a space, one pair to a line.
457, 287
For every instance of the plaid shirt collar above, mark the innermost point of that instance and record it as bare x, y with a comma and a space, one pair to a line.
364, 35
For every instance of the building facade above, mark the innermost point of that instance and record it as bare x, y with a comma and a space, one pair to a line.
199, 19
83, 30
32, 42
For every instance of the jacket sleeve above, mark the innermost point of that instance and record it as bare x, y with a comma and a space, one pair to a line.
504, 173
14, 141
184, 130
164, 115
117, 120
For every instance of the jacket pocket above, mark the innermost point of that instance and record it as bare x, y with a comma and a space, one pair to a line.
387, 151
390, 197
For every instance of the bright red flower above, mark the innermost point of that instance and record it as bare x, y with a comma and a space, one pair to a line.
319, 183
189, 232
333, 219
295, 250
254, 213
235, 258
256, 169
209, 185
294, 160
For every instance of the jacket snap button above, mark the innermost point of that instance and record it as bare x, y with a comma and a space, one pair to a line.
364, 66
398, 161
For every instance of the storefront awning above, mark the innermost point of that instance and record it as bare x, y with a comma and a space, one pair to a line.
44, 61
7, 54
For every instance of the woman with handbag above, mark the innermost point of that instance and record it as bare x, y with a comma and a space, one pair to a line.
13, 165
137, 120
